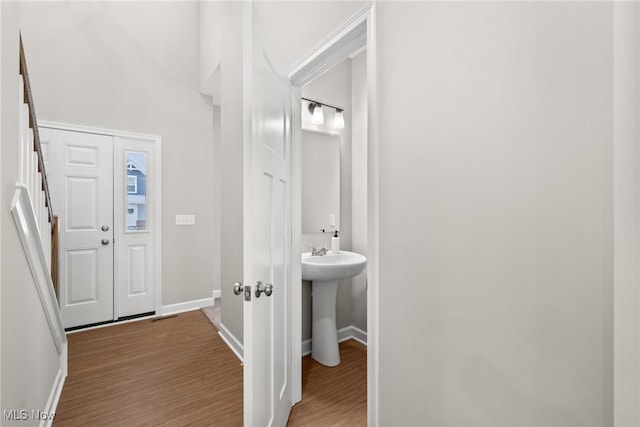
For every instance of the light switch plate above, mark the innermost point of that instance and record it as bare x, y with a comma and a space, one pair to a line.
185, 219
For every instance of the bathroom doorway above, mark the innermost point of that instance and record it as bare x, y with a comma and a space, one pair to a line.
340, 76
333, 183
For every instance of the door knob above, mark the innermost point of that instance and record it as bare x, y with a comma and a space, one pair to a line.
263, 289
105, 241
105, 228
239, 288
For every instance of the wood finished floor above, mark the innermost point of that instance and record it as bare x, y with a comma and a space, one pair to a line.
179, 372
334, 396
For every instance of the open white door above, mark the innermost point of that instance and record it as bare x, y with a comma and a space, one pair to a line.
267, 234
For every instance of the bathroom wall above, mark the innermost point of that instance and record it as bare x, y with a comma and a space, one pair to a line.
496, 213
134, 66
344, 86
333, 87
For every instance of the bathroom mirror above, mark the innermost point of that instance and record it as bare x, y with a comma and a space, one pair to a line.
320, 182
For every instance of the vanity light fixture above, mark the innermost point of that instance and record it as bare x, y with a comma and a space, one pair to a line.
318, 115
338, 119
315, 108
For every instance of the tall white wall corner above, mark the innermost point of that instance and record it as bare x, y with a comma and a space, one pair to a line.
211, 16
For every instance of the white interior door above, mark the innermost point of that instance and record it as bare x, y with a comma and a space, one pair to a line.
267, 222
80, 173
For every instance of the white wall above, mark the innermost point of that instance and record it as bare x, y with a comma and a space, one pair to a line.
29, 361
295, 28
231, 128
496, 213
281, 20
626, 213
216, 190
212, 39
359, 182
134, 66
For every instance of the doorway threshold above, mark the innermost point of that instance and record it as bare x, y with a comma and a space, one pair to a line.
124, 319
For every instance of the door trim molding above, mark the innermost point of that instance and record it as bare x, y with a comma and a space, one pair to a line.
357, 32
157, 195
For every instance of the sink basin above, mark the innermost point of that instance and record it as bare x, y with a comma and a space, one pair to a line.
343, 265
324, 272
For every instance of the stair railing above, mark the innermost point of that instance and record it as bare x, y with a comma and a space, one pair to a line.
33, 174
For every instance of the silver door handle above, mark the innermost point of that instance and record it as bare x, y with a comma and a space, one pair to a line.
263, 289
105, 228
239, 288
105, 241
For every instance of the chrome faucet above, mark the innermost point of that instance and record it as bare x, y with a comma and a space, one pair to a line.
320, 252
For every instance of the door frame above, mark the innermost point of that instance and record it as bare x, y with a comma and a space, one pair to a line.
118, 219
357, 32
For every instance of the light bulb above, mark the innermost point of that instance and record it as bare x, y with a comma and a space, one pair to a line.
338, 120
318, 115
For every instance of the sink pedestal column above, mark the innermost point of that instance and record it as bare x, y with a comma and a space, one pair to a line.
324, 334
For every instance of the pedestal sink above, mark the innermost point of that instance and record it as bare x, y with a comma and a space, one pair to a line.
324, 272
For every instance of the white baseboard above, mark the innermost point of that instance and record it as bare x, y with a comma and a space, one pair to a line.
233, 343
185, 306
54, 398
344, 334
217, 293
358, 335
306, 347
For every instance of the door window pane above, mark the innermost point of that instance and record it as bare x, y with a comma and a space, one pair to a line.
136, 172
